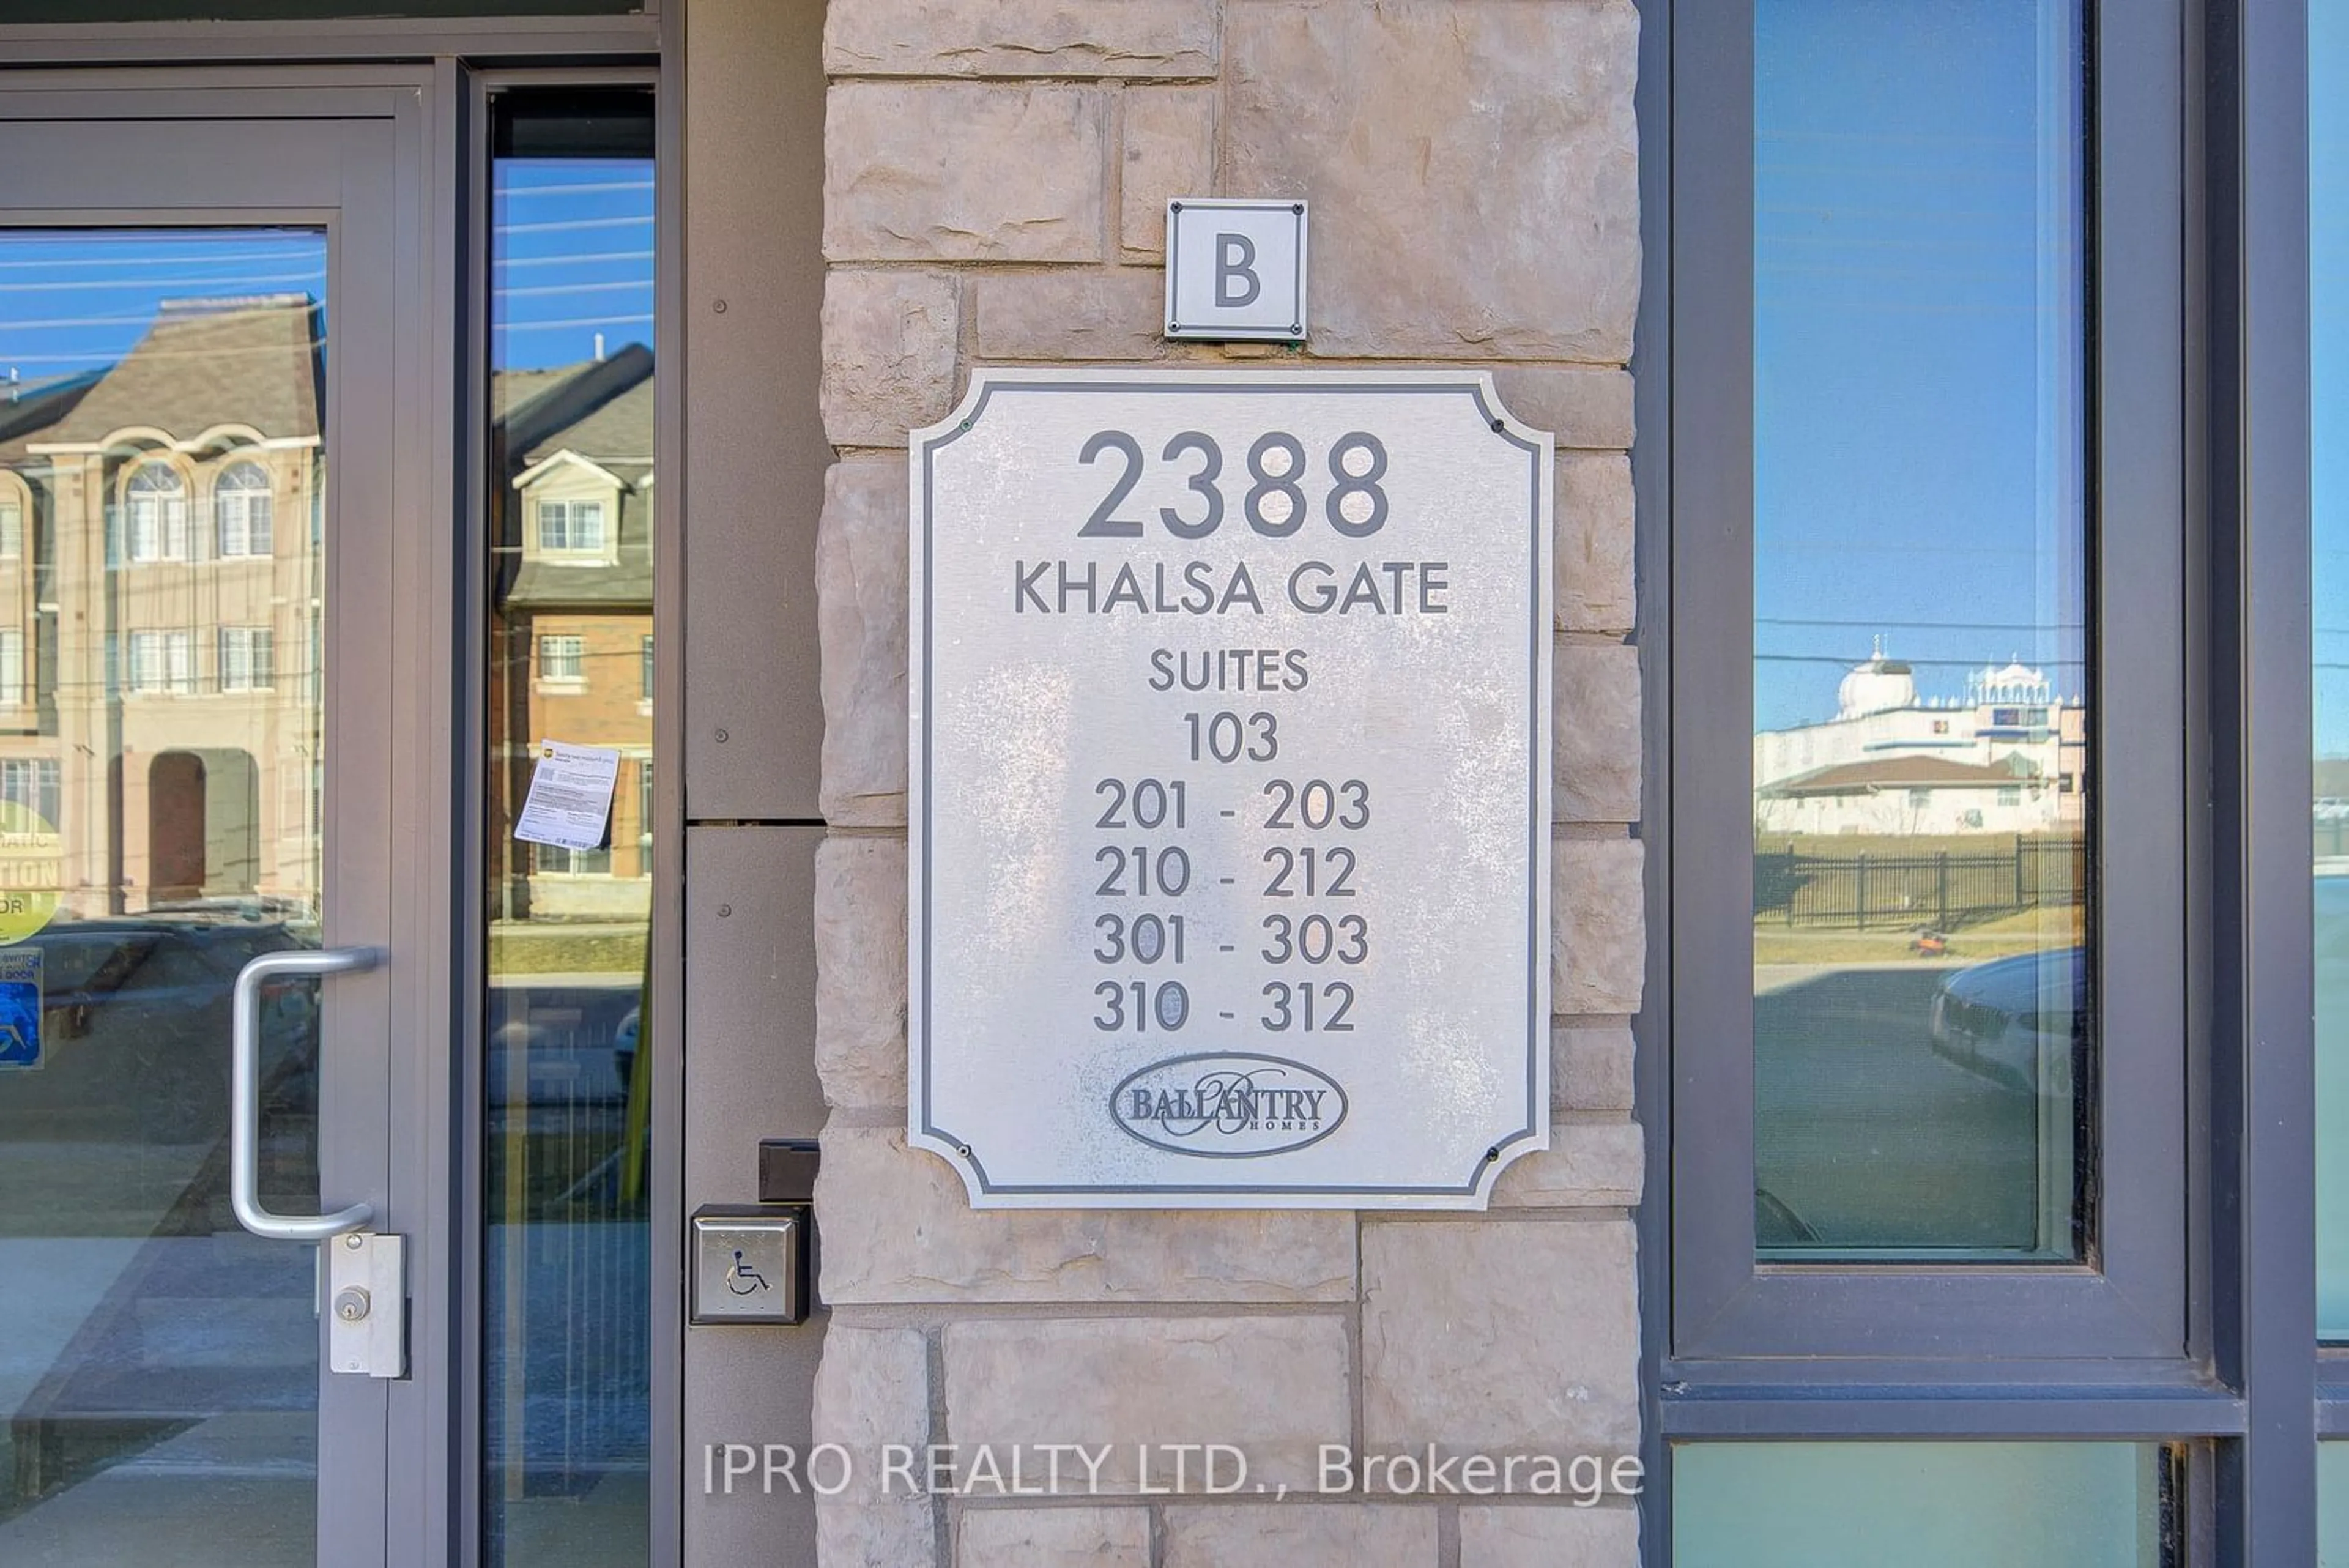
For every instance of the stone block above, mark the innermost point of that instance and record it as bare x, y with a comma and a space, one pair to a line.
1273, 1387
889, 1533
1597, 930
1597, 548
861, 592
1473, 169
1489, 1338
1096, 313
1170, 151
1294, 1536
1585, 407
1547, 1537
872, 1388
1591, 1068
1131, 38
1588, 1164
898, 1227
889, 341
1595, 731
963, 171
860, 971
1052, 1538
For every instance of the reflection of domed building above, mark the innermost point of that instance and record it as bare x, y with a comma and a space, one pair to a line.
1880, 686
2007, 756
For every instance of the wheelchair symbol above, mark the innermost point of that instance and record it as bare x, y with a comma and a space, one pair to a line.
743, 1278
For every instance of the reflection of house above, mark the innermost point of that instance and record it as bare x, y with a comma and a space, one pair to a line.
573, 518
1908, 795
2009, 756
160, 596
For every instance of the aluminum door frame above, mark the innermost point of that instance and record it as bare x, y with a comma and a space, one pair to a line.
346, 149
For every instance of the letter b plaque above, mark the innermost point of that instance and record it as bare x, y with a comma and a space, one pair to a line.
1234, 270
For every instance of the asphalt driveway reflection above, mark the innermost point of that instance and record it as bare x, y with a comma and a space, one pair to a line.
1863, 1137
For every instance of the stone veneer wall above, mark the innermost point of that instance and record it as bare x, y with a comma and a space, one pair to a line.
997, 174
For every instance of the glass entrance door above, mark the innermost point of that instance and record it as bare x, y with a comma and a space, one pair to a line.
201, 697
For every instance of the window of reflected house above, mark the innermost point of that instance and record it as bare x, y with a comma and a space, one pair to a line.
241, 506
156, 502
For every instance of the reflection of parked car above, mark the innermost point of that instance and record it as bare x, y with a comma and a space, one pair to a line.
135, 1018
2018, 1022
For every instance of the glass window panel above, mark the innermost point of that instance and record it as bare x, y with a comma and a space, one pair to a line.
567, 1352
571, 528
246, 658
2332, 1485
2328, 302
160, 1378
1921, 879
242, 507
158, 499
1923, 1505
562, 658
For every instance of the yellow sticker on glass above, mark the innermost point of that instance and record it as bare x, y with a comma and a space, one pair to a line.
32, 870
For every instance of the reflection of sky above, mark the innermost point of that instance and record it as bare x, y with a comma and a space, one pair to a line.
74, 300
2328, 233
2328, 224
1912, 351
575, 257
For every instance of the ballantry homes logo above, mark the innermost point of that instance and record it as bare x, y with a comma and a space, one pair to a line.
1228, 1106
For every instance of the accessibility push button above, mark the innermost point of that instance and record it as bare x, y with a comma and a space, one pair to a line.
750, 1265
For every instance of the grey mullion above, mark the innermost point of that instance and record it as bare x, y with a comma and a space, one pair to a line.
2085, 1378
1933, 1414
1709, 808
1652, 481
2262, 1022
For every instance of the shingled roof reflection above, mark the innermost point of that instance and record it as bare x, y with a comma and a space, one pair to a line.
247, 366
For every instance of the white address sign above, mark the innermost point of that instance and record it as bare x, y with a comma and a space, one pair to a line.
1230, 788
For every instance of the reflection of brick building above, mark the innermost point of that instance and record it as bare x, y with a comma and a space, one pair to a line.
572, 651
161, 589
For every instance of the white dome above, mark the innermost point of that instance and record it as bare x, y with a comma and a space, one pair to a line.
1880, 686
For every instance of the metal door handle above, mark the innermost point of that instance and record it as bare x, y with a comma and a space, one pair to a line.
245, 1095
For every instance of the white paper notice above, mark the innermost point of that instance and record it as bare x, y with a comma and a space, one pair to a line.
570, 795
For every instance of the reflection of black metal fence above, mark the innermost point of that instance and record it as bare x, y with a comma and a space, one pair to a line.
1941, 889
